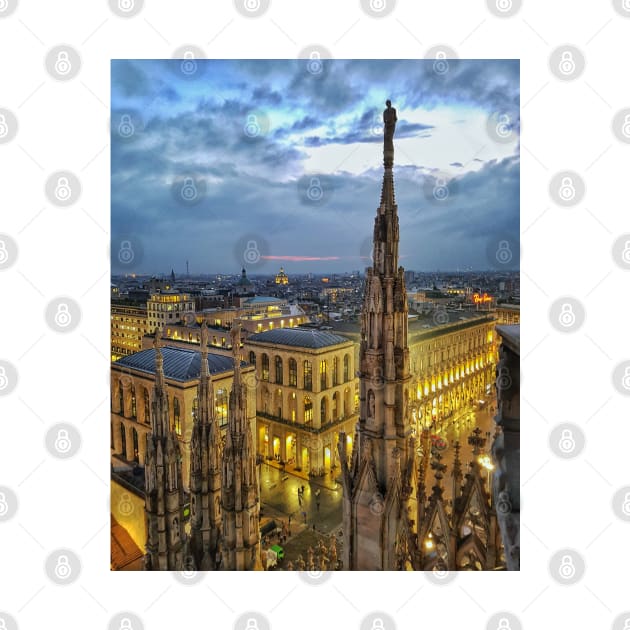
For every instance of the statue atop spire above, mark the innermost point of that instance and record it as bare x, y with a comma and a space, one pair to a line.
389, 120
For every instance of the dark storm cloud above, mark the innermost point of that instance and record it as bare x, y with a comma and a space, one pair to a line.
252, 184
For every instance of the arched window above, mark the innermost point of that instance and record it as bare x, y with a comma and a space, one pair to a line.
335, 371
323, 410
335, 406
322, 374
147, 405
346, 368
121, 398
134, 434
177, 423
221, 406
308, 410
134, 410
123, 440
279, 370
292, 372
265, 367
252, 357
308, 376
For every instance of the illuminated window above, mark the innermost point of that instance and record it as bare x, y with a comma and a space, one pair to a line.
265, 367
252, 357
134, 435
123, 440
322, 410
346, 368
278, 361
308, 410
335, 406
308, 376
322, 374
177, 423
133, 402
292, 372
335, 371
221, 406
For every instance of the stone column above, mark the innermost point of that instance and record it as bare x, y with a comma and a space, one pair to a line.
142, 446
115, 420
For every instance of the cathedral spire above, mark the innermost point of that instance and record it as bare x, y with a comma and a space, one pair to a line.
240, 495
167, 544
380, 475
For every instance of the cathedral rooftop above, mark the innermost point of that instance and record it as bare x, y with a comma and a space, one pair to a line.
301, 337
180, 364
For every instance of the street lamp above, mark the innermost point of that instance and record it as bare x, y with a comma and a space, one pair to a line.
486, 462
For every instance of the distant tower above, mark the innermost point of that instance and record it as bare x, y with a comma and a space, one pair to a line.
166, 547
377, 483
240, 498
172, 276
205, 471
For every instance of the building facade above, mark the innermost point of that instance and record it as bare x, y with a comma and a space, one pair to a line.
128, 326
306, 395
168, 307
132, 381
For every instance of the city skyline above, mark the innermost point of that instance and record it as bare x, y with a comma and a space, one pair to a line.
309, 127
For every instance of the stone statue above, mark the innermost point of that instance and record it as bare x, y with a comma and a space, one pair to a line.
389, 118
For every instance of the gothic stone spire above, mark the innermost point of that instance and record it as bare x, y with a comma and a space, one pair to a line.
382, 470
240, 498
205, 470
166, 548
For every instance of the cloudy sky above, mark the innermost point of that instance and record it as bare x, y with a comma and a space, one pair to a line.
268, 163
